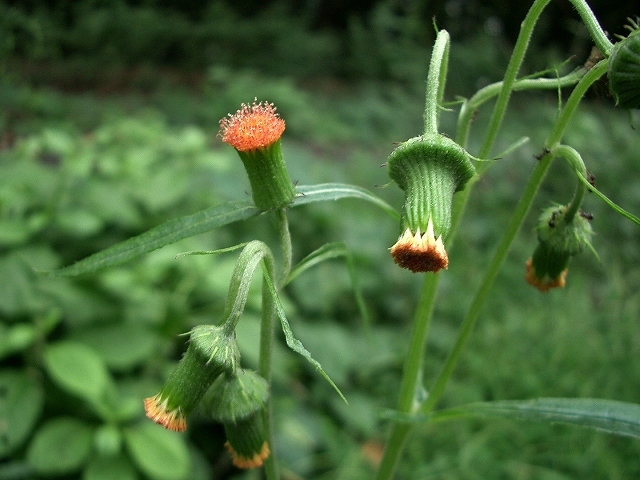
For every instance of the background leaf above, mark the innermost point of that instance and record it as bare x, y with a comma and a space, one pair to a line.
110, 468
61, 445
21, 400
77, 369
159, 453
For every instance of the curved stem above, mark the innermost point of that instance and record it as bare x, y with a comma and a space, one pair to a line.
577, 164
598, 35
487, 93
436, 82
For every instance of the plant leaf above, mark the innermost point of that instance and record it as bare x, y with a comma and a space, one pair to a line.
292, 342
619, 418
335, 191
326, 252
164, 234
20, 406
62, 445
159, 453
78, 369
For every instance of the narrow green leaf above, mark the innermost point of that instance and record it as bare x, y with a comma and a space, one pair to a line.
609, 416
164, 234
336, 191
21, 400
292, 342
326, 252
61, 446
77, 369
159, 453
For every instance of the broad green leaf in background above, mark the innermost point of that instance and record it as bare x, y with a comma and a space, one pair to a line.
619, 418
77, 369
164, 234
21, 400
335, 191
60, 446
122, 346
159, 453
110, 468
16, 338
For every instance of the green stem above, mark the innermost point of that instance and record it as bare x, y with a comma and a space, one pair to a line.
267, 326
282, 225
577, 164
598, 35
436, 81
509, 80
408, 400
470, 106
512, 228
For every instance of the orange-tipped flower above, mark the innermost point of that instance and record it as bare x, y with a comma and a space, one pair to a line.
430, 169
237, 402
211, 353
255, 131
252, 127
559, 238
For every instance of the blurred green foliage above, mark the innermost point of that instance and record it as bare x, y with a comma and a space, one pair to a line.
80, 172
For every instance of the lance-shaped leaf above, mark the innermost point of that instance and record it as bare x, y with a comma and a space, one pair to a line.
326, 252
164, 234
336, 191
619, 418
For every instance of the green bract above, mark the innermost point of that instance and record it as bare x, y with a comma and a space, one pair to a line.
558, 240
430, 169
624, 71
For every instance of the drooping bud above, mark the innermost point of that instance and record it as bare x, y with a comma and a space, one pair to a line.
237, 402
255, 131
558, 241
211, 353
624, 69
430, 169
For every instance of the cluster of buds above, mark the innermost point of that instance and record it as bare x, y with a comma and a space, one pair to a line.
430, 169
559, 238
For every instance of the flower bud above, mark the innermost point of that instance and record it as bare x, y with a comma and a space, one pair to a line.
430, 169
624, 70
255, 131
558, 241
237, 402
211, 352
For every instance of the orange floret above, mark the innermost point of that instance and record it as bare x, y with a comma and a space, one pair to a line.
252, 127
420, 252
255, 461
157, 411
